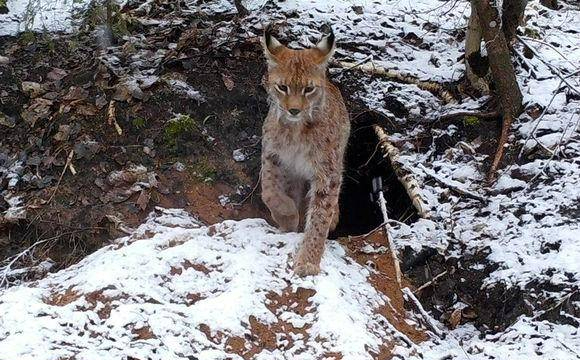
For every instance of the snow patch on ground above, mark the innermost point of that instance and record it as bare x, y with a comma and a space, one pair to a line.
174, 275
40, 15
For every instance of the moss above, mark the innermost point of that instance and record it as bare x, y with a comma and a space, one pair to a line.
204, 171
533, 33
177, 129
138, 123
27, 37
471, 120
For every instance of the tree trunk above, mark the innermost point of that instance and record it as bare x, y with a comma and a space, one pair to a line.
502, 71
476, 67
507, 91
242, 11
550, 4
511, 17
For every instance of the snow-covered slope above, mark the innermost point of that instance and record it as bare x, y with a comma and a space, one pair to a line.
176, 289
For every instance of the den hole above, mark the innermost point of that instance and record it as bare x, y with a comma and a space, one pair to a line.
359, 213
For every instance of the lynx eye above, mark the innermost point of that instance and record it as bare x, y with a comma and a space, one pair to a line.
282, 88
309, 90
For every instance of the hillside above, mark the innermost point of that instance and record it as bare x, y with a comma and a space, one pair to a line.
130, 220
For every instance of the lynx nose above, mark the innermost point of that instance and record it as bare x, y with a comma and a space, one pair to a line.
294, 112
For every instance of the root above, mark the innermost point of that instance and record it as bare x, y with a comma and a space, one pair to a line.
501, 144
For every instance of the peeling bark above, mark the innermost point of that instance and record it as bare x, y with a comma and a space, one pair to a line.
476, 69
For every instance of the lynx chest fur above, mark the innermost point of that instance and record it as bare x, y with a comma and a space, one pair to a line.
304, 139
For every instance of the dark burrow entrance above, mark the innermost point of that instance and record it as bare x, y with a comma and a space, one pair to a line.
359, 213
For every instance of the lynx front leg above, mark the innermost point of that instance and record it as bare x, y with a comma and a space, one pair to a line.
323, 203
283, 209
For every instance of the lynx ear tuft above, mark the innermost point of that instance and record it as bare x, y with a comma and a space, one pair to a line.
326, 47
272, 47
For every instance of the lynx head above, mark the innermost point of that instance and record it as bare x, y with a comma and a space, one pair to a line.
296, 80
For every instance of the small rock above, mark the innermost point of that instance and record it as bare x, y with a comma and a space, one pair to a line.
358, 9
239, 156
178, 166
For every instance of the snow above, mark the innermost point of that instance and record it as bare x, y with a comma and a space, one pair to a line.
146, 279
526, 339
40, 15
528, 224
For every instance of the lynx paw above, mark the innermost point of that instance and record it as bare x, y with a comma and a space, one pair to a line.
306, 269
303, 267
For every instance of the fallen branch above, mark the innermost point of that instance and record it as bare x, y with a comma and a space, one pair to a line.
405, 176
370, 68
429, 321
479, 115
393, 250
452, 186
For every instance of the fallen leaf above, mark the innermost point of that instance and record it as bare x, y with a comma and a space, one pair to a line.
455, 318
86, 109
228, 82
33, 89
76, 93
143, 199
56, 74
37, 110
62, 134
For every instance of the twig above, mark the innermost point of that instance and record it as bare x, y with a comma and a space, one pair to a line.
66, 166
554, 152
451, 186
532, 133
8, 267
557, 305
393, 250
251, 192
430, 282
552, 47
429, 321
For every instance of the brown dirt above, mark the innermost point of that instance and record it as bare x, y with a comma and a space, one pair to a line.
384, 280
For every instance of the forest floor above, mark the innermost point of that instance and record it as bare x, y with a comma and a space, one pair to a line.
104, 129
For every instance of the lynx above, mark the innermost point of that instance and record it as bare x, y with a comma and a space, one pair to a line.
305, 135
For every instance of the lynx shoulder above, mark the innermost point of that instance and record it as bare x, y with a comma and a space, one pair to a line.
304, 138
